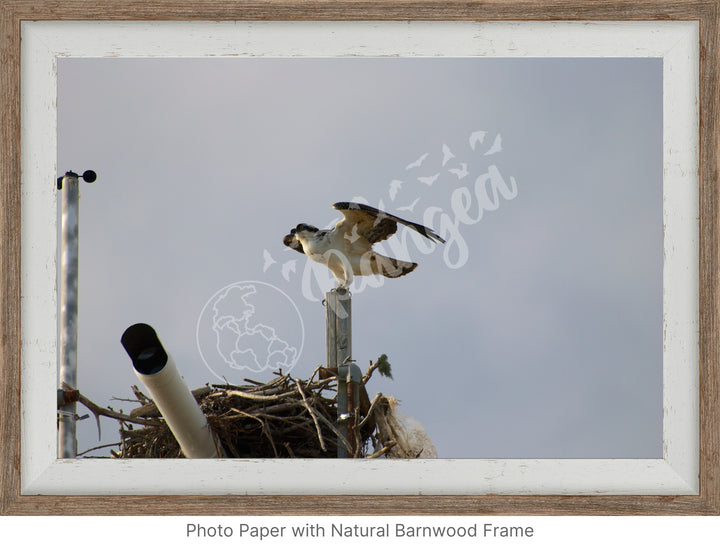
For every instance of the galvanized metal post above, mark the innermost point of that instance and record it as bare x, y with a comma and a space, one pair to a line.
349, 380
67, 435
338, 310
67, 410
338, 314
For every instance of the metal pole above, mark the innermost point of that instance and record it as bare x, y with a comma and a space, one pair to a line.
349, 383
67, 435
68, 184
338, 327
338, 341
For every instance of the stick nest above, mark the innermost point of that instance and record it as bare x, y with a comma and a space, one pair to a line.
283, 418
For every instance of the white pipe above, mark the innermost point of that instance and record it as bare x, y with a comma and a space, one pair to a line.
158, 373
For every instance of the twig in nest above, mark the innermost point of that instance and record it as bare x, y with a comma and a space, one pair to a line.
312, 413
356, 434
332, 427
150, 410
320, 367
367, 417
390, 444
269, 436
253, 396
126, 400
142, 397
290, 452
99, 447
100, 411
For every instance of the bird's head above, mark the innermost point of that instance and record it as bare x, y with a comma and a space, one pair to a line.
303, 229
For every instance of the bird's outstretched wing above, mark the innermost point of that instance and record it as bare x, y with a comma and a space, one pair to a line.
373, 224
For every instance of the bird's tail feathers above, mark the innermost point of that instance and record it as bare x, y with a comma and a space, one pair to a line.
390, 268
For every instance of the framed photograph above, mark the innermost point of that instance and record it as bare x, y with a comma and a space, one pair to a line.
548, 303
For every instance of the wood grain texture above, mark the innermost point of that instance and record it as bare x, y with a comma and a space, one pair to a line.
12, 12
710, 259
360, 505
355, 10
9, 257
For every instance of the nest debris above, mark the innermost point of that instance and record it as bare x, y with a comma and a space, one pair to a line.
283, 418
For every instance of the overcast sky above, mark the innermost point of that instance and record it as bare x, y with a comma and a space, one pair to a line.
535, 332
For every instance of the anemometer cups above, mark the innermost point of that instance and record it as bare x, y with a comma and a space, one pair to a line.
156, 370
87, 176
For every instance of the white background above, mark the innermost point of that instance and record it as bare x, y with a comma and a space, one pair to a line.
550, 533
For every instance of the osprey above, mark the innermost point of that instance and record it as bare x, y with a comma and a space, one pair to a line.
347, 249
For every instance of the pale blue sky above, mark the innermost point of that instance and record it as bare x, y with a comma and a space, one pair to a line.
546, 342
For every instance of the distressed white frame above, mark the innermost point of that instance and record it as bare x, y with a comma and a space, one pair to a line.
674, 474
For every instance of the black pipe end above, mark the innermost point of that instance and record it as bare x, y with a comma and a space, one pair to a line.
144, 348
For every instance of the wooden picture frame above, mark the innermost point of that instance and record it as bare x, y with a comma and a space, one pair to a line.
13, 501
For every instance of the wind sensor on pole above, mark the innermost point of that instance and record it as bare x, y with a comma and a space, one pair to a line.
67, 407
87, 176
